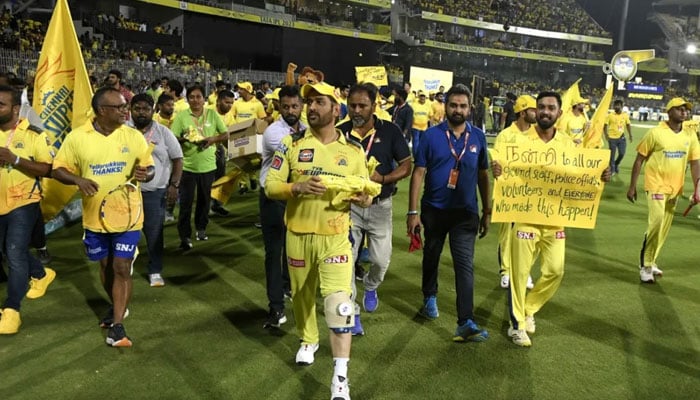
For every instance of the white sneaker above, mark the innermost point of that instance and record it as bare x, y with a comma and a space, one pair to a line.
656, 271
305, 355
519, 337
340, 389
505, 281
530, 283
646, 274
169, 217
530, 324
156, 280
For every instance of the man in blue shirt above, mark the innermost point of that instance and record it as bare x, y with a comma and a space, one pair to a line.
452, 160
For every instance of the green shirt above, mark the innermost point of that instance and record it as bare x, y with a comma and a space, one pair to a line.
209, 124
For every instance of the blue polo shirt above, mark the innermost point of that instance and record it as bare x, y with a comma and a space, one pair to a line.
434, 154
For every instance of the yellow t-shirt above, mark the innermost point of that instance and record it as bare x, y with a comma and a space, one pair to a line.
421, 115
211, 100
438, 112
228, 118
107, 160
163, 121
616, 124
243, 110
574, 126
180, 105
511, 134
298, 160
668, 153
17, 189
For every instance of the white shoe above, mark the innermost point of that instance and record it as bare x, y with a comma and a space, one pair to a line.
505, 281
646, 274
305, 355
530, 283
656, 271
519, 337
156, 280
169, 217
340, 389
530, 324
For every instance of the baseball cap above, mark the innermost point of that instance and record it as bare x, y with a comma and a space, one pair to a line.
322, 88
677, 102
247, 86
524, 102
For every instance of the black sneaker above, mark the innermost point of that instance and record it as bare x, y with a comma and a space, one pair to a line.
275, 319
108, 319
44, 256
202, 235
186, 244
116, 337
219, 210
359, 272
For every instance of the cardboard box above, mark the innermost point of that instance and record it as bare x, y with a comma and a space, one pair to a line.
245, 144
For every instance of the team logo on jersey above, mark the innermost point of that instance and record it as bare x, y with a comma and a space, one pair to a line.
306, 155
472, 148
125, 149
377, 140
526, 235
276, 163
282, 148
293, 262
336, 259
342, 161
560, 235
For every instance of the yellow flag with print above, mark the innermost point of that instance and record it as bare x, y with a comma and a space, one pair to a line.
62, 95
375, 75
594, 135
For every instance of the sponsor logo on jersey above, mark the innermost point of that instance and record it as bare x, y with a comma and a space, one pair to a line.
293, 262
124, 247
276, 163
336, 259
306, 155
341, 161
472, 148
19, 145
560, 235
526, 235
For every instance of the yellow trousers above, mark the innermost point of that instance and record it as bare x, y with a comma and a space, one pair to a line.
316, 260
504, 238
526, 241
661, 209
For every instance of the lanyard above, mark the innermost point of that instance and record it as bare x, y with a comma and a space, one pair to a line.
369, 145
12, 135
452, 149
150, 133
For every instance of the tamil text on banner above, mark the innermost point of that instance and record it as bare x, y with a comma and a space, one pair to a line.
549, 186
62, 95
375, 75
429, 80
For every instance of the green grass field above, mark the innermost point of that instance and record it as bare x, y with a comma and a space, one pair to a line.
603, 336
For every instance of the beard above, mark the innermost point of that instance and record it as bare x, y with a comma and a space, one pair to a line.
456, 118
5, 118
290, 119
358, 121
141, 122
545, 124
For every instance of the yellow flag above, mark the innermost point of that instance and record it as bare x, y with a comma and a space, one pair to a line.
594, 135
62, 95
224, 187
567, 101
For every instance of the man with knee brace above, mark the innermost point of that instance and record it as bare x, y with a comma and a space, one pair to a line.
319, 253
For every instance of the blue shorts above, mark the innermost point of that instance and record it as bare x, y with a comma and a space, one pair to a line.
101, 245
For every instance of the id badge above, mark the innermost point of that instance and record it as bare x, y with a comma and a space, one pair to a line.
452, 181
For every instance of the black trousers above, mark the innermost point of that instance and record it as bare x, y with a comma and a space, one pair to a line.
191, 184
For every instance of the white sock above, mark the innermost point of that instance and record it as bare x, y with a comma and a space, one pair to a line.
340, 366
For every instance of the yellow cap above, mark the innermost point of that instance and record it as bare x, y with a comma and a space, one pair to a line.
322, 88
677, 102
524, 102
246, 86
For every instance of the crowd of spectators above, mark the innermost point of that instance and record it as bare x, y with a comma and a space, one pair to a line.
109, 22
551, 15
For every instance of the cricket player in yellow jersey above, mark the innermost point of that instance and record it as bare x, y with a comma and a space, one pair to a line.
97, 157
528, 240
614, 131
25, 157
666, 149
575, 124
525, 107
247, 106
319, 252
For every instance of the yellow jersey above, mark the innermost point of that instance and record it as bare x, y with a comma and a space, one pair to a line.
301, 156
17, 189
574, 126
243, 110
438, 114
180, 105
228, 118
511, 134
421, 115
106, 160
211, 100
616, 124
668, 152
164, 121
